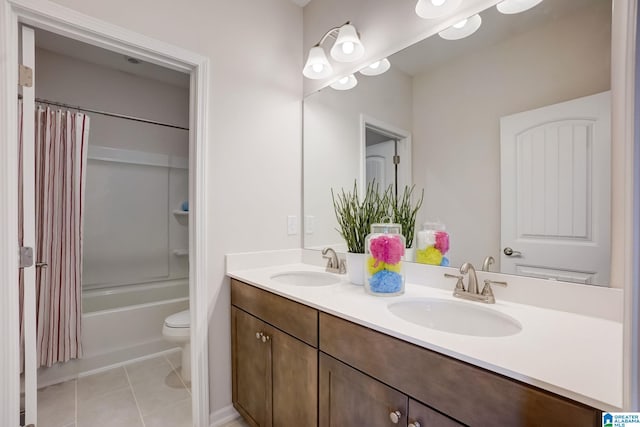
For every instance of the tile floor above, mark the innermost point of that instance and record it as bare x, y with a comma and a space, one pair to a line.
149, 393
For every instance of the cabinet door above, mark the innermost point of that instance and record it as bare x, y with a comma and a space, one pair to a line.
350, 398
251, 368
295, 381
423, 416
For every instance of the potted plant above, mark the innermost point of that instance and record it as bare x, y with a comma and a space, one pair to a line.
404, 213
355, 217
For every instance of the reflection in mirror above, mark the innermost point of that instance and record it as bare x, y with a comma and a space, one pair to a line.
507, 132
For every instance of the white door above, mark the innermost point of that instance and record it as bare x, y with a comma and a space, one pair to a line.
29, 229
380, 166
555, 184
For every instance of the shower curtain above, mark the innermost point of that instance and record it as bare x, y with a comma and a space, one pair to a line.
61, 158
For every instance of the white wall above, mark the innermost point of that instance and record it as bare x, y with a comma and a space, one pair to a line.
254, 122
71, 81
457, 110
332, 149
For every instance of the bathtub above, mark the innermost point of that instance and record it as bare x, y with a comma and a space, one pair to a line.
120, 324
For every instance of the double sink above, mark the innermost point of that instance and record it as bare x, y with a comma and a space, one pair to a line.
456, 317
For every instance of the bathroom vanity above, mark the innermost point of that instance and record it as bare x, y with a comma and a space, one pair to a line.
297, 363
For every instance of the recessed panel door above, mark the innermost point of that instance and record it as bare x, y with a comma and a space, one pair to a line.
555, 177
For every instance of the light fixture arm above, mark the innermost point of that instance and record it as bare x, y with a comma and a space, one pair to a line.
333, 32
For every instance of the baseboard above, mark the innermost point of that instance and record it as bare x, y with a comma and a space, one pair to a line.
223, 416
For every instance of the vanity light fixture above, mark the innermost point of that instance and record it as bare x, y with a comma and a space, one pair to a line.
345, 83
317, 66
430, 9
346, 48
376, 68
509, 7
462, 29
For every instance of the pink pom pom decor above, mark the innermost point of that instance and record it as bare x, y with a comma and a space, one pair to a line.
388, 249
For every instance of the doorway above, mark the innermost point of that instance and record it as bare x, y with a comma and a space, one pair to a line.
386, 155
73, 25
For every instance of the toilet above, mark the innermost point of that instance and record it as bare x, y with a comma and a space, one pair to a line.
177, 329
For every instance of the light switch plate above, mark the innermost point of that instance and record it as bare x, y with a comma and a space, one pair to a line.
292, 225
308, 224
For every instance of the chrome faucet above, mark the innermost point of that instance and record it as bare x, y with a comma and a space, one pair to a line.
334, 264
472, 278
471, 292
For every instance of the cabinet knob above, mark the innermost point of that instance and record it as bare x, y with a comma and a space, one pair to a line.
258, 334
395, 416
414, 424
265, 338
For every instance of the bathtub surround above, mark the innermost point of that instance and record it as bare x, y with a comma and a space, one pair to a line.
132, 231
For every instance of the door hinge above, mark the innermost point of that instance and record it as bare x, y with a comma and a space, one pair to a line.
25, 76
396, 160
26, 256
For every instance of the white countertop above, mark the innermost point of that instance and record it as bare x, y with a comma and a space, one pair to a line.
573, 355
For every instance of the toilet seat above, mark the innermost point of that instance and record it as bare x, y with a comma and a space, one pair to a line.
178, 320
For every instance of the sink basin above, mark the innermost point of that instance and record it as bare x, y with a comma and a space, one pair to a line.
306, 278
456, 317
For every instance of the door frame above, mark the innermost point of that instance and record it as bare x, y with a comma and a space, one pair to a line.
403, 148
69, 23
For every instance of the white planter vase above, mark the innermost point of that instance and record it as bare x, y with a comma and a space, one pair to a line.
409, 254
355, 268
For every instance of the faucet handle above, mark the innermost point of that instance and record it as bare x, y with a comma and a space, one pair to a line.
488, 282
334, 264
459, 283
342, 266
488, 292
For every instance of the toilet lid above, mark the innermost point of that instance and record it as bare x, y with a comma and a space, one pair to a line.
178, 320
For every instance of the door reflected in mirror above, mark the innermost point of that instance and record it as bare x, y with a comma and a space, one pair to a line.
453, 98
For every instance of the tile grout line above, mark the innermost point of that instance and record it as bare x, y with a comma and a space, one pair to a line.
179, 376
133, 393
76, 403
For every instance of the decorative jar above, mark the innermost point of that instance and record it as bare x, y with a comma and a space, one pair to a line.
432, 244
384, 249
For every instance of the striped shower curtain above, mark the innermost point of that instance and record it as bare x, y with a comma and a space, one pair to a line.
61, 159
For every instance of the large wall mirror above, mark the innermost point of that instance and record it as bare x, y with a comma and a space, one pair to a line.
507, 131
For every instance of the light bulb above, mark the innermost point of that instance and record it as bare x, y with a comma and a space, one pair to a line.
437, 2
348, 47
317, 67
375, 65
344, 80
460, 24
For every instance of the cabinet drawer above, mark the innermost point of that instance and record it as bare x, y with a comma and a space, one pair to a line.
289, 316
467, 393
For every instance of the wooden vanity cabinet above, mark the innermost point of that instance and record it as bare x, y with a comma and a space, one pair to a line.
293, 365
274, 371
471, 395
